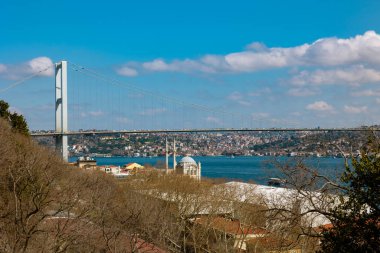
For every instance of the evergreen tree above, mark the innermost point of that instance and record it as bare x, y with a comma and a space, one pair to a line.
356, 219
17, 121
4, 113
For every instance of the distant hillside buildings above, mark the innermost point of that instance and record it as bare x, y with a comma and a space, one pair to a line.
186, 166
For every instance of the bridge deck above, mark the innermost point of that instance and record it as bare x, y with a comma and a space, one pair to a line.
37, 134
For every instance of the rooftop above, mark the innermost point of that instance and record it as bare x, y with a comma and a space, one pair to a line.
187, 159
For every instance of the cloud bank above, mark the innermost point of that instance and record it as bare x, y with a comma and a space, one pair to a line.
320, 106
326, 52
353, 75
355, 109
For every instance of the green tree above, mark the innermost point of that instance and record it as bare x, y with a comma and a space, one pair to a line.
356, 219
17, 121
4, 106
349, 200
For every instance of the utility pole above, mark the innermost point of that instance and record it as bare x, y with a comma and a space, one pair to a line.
166, 156
174, 156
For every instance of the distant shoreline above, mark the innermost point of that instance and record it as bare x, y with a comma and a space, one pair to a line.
240, 168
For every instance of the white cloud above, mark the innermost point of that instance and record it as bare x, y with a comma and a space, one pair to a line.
366, 93
257, 46
377, 100
96, 113
15, 110
353, 75
238, 97
334, 51
206, 64
213, 119
323, 52
302, 92
248, 61
235, 96
214, 63
157, 65
127, 71
319, 106
3, 68
361, 49
355, 110
42, 66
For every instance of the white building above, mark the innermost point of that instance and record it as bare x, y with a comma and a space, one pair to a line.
187, 166
284, 198
114, 170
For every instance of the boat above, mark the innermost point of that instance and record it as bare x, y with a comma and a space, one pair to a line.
274, 181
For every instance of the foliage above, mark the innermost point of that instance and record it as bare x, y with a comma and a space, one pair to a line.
48, 206
356, 219
16, 120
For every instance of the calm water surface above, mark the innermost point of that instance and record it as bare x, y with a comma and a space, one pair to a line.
243, 168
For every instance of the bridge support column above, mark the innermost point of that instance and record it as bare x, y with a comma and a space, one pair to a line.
61, 124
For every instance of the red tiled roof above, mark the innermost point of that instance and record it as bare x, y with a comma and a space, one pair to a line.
146, 247
272, 242
322, 228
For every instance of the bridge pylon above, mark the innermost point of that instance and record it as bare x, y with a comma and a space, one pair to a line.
61, 123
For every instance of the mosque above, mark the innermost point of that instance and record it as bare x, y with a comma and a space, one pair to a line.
186, 166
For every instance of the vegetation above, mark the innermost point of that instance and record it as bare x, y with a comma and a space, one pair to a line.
351, 203
48, 206
356, 219
17, 121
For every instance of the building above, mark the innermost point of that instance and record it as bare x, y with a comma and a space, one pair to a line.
285, 198
187, 166
86, 162
114, 170
271, 244
232, 230
133, 166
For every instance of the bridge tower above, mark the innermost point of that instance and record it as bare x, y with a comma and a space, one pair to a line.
61, 109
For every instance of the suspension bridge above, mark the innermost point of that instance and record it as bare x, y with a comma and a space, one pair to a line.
97, 104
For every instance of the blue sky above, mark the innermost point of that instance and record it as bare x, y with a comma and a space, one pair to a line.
278, 63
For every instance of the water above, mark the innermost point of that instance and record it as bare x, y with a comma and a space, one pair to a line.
241, 168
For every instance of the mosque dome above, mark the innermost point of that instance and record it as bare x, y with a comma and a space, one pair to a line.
187, 159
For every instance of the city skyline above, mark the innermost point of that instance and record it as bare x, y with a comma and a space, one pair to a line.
282, 63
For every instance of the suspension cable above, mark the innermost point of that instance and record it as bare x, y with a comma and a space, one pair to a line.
24, 79
116, 82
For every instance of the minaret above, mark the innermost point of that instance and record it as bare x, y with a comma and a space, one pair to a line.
174, 155
199, 171
166, 157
